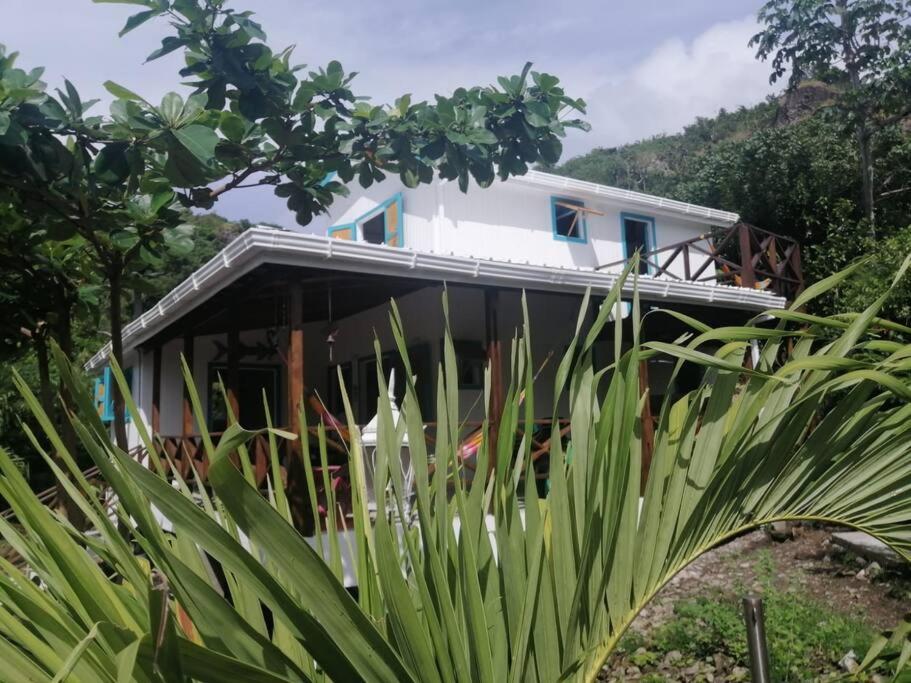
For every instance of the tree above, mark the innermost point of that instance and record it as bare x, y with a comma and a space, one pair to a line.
46, 284
252, 119
862, 46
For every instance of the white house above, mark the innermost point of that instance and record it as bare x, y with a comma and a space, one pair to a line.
280, 311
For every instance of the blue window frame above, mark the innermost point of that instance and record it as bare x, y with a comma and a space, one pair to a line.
568, 224
103, 392
638, 232
383, 224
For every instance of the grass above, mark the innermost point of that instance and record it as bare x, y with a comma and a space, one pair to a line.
806, 638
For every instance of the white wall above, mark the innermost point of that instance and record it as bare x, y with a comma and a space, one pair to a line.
512, 222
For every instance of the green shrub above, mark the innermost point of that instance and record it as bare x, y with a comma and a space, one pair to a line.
804, 637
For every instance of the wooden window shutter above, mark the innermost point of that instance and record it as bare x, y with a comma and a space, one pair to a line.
394, 222
342, 232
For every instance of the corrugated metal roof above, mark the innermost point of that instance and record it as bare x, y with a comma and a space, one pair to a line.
627, 197
262, 245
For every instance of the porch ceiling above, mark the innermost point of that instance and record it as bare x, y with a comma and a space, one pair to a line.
258, 300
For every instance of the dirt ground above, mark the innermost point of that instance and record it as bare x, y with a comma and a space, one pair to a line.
809, 560
808, 565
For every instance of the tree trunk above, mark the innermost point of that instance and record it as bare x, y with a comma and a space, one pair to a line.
65, 340
863, 134
116, 314
865, 152
45, 391
64, 334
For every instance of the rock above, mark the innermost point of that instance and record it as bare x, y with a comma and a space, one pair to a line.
780, 531
874, 571
862, 574
849, 662
673, 656
866, 546
738, 673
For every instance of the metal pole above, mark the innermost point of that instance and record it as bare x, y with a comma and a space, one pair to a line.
756, 642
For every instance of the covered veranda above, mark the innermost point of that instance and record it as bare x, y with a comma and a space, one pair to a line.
277, 317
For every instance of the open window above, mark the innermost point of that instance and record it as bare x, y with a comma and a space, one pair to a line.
383, 224
103, 390
568, 216
253, 382
638, 234
471, 359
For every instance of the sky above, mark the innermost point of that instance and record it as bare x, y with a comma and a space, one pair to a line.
644, 67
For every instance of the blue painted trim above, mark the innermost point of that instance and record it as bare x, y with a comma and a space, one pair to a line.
651, 235
397, 198
582, 224
329, 177
106, 404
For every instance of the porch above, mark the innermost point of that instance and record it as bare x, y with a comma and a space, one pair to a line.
281, 332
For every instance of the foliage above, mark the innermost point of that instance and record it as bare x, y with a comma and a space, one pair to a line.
863, 46
842, 247
524, 590
211, 233
658, 164
253, 118
805, 638
792, 180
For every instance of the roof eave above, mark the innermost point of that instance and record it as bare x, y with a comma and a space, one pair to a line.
261, 245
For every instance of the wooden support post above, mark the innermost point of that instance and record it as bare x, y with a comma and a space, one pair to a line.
156, 390
295, 354
233, 378
494, 360
296, 487
188, 421
747, 273
648, 425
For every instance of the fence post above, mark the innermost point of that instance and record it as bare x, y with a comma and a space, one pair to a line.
747, 275
756, 640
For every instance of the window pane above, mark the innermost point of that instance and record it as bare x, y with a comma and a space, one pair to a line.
374, 229
635, 233
568, 222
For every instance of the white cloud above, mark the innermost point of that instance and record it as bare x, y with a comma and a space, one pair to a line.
674, 84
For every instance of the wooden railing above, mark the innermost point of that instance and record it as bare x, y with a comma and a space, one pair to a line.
742, 255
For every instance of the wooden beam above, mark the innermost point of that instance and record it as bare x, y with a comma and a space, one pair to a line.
296, 486
233, 378
648, 425
747, 271
494, 361
189, 423
295, 382
156, 390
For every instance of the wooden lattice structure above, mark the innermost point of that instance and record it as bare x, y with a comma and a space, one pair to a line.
742, 255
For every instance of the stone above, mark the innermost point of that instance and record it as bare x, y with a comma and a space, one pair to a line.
867, 546
781, 531
739, 673
874, 571
673, 656
849, 662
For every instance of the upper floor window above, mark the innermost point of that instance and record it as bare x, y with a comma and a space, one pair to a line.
568, 216
383, 224
638, 234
